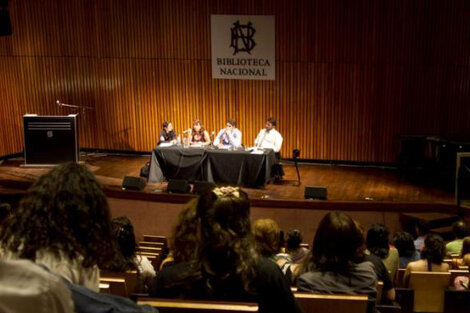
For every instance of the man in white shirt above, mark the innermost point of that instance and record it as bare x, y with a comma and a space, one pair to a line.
269, 137
230, 136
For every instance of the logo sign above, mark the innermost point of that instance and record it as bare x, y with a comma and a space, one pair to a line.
243, 47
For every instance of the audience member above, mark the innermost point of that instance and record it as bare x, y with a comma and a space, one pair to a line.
378, 244
381, 272
460, 231
465, 252
293, 249
124, 232
224, 264
26, 287
267, 236
63, 223
432, 257
422, 229
5, 212
335, 262
407, 252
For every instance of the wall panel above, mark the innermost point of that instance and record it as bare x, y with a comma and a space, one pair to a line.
351, 76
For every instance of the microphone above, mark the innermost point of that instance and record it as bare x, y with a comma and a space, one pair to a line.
58, 103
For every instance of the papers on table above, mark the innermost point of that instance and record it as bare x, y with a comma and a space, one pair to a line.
165, 144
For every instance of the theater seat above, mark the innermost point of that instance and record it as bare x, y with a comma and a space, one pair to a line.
429, 288
316, 303
192, 306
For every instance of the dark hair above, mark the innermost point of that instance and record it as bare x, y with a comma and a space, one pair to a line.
267, 236
201, 131
226, 246
165, 124
403, 241
377, 240
423, 227
434, 249
294, 239
184, 238
460, 229
124, 233
5, 212
232, 122
336, 244
465, 246
271, 120
64, 211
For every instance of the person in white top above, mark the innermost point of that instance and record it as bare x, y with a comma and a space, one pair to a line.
230, 136
63, 223
26, 287
128, 260
269, 137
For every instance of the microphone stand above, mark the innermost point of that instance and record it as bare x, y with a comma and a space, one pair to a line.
83, 109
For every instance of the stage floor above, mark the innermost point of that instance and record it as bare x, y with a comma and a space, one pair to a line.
344, 183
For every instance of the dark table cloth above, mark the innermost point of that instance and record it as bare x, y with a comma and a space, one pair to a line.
237, 167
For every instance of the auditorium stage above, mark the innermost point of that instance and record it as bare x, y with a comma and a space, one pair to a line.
368, 194
344, 183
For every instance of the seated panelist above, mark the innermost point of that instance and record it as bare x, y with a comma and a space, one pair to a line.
269, 137
199, 136
230, 136
167, 134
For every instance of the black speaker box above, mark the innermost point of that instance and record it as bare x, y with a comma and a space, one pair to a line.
200, 186
315, 192
5, 22
133, 183
178, 186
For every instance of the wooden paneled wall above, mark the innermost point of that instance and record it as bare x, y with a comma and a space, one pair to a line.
351, 75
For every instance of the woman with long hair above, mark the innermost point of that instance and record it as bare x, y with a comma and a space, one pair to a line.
199, 135
124, 232
335, 262
225, 265
63, 223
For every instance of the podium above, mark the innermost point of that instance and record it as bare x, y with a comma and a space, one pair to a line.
50, 140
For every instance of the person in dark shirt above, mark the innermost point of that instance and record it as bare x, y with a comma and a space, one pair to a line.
225, 265
167, 134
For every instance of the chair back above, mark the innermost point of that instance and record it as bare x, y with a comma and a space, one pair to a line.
380, 288
117, 286
130, 277
192, 306
429, 288
399, 278
317, 303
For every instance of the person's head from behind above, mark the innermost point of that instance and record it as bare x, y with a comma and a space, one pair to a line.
184, 238
65, 211
226, 245
403, 241
465, 246
294, 239
459, 229
124, 233
267, 236
336, 244
377, 240
270, 123
422, 228
434, 249
167, 126
5, 212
